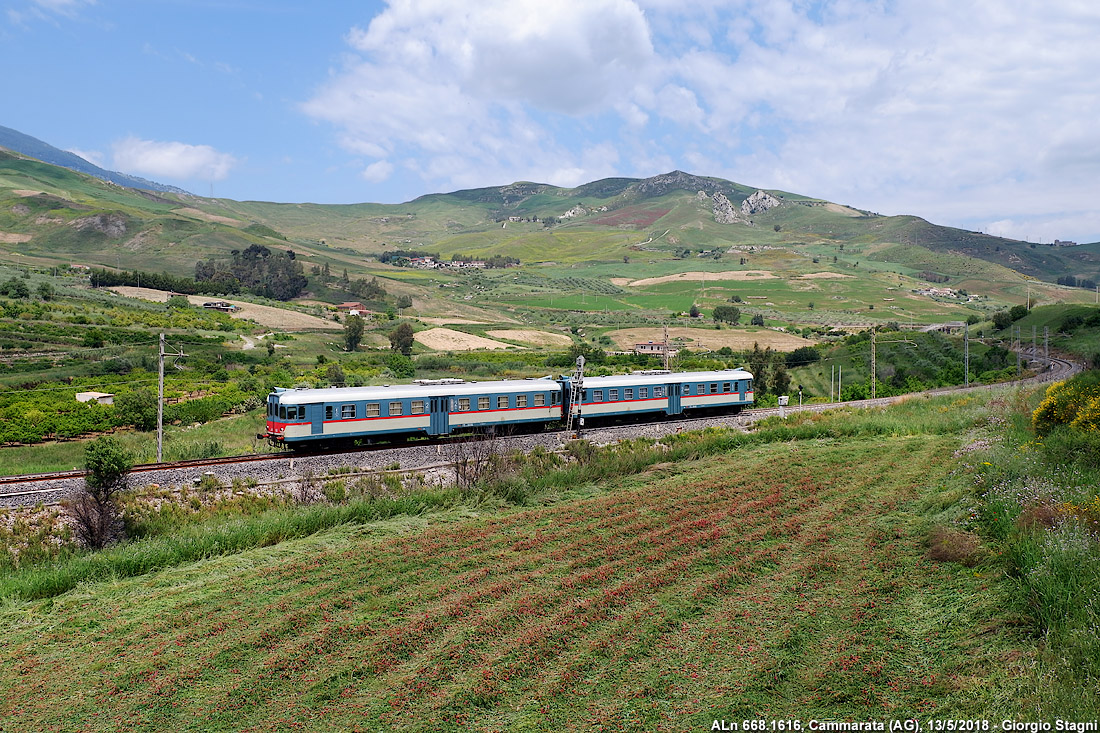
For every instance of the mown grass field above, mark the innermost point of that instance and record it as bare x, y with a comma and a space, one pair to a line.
769, 582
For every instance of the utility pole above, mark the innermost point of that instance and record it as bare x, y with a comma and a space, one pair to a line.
576, 394
1046, 345
160, 396
1017, 350
966, 357
873, 349
832, 381
667, 358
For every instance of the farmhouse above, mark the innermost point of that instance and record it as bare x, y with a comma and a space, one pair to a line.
656, 348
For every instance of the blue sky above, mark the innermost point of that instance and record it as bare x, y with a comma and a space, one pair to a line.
977, 114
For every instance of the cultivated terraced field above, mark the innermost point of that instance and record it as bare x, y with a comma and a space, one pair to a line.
769, 583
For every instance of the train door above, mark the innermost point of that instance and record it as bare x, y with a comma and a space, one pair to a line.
316, 419
674, 406
439, 422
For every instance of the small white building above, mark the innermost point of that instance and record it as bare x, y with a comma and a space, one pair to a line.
102, 398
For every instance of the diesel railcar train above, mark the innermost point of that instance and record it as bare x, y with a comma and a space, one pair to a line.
311, 417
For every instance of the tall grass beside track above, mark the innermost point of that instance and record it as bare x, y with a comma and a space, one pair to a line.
1036, 501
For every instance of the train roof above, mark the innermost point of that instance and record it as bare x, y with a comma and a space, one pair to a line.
414, 391
630, 380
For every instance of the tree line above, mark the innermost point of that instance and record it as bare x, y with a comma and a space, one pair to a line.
262, 271
258, 270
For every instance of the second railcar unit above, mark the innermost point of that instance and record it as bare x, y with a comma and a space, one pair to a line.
428, 408
663, 393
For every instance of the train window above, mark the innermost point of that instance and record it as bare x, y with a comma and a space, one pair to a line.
395, 409
521, 400
502, 403
540, 400
628, 393
463, 404
748, 385
613, 395
714, 387
555, 398
597, 395
483, 403
347, 412
702, 389
282, 412
725, 386
417, 408
658, 391
643, 393
328, 412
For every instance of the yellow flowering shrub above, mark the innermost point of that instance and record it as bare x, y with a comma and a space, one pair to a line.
1065, 401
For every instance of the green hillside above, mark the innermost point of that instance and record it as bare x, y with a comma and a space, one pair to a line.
51, 215
626, 230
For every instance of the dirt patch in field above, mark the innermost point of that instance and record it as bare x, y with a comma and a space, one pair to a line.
532, 336
446, 339
198, 214
265, 315
11, 238
632, 217
705, 276
701, 338
838, 209
26, 192
620, 281
448, 321
823, 276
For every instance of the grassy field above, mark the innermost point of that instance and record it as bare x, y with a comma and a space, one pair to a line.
767, 582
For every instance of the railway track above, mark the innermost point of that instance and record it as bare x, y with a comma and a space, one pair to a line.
51, 488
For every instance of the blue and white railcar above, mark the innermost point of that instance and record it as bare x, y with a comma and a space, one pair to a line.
301, 416
664, 393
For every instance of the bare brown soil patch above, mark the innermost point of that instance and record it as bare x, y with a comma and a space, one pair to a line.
199, 214
446, 339
703, 338
265, 315
26, 192
448, 321
620, 281
838, 209
532, 336
12, 238
705, 276
633, 217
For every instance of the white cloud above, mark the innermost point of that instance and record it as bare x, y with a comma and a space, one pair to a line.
378, 171
92, 156
464, 90
172, 160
